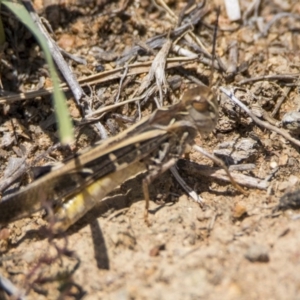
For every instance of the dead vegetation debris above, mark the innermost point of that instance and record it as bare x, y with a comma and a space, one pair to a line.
128, 58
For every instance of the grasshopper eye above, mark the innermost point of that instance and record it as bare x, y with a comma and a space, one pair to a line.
196, 94
200, 99
206, 107
201, 106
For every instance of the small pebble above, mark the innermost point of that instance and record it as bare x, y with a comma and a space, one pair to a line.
156, 250
257, 253
233, 10
239, 210
273, 164
289, 200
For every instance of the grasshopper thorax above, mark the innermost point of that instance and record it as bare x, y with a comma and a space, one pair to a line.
202, 108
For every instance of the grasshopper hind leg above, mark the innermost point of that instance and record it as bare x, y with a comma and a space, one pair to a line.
153, 174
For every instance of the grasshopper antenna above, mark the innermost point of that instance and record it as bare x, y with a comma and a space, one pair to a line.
213, 55
197, 148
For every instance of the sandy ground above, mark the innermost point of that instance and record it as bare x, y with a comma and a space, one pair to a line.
238, 246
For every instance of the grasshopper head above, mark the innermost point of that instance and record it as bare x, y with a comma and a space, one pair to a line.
202, 108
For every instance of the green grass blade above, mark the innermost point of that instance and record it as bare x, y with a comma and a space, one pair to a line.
2, 34
60, 105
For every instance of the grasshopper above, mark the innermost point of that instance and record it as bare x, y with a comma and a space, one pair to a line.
154, 145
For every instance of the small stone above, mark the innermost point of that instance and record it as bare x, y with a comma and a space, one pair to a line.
257, 253
273, 164
156, 250
239, 210
282, 186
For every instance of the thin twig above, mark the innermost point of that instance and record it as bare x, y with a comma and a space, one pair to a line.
264, 124
220, 174
283, 77
11, 289
57, 57
280, 101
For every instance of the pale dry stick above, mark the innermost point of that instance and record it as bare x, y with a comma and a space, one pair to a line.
220, 174
190, 36
221, 164
159, 66
7, 286
106, 76
57, 57
280, 101
283, 77
264, 124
